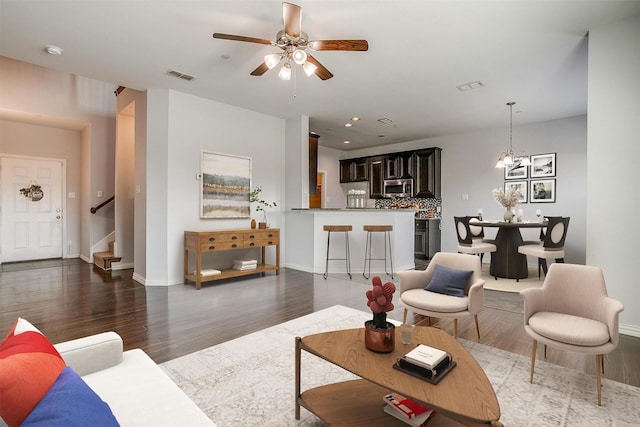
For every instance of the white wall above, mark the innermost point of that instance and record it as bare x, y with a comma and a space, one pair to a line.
614, 150
329, 163
179, 127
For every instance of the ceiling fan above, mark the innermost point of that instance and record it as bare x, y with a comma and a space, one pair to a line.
294, 44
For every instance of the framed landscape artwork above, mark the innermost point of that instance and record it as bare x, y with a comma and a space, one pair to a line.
521, 186
225, 186
543, 165
516, 170
543, 191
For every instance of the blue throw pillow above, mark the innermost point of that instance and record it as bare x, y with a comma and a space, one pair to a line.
449, 281
70, 402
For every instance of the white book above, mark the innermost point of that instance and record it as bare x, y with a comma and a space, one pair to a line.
246, 267
415, 422
244, 262
425, 356
209, 272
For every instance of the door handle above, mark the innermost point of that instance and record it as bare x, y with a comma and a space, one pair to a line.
57, 216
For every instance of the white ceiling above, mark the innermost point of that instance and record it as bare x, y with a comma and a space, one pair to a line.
528, 51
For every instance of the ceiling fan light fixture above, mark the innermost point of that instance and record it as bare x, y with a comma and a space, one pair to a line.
285, 72
309, 68
272, 60
299, 56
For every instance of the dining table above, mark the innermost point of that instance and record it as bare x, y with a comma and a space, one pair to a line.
506, 261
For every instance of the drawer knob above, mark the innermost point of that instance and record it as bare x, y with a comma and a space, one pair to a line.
234, 238
252, 236
212, 239
252, 244
234, 246
211, 248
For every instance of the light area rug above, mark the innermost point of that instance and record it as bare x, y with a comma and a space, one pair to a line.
511, 285
249, 381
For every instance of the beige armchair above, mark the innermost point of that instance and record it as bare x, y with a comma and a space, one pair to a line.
416, 299
572, 312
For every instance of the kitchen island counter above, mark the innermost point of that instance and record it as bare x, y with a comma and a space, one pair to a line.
306, 241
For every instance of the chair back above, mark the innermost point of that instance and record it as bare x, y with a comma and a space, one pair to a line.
463, 231
456, 262
543, 230
556, 233
477, 231
575, 289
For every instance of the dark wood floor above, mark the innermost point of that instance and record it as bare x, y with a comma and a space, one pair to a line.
68, 299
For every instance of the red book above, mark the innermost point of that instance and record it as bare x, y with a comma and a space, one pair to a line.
409, 408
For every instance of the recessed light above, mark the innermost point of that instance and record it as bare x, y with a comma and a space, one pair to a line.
347, 142
53, 50
348, 125
355, 118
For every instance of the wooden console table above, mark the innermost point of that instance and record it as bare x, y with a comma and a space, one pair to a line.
200, 242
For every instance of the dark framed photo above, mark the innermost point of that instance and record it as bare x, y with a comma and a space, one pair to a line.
521, 186
543, 165
517, 170
543, 191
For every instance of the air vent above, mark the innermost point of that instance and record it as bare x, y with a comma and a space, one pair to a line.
178, 74
385, 121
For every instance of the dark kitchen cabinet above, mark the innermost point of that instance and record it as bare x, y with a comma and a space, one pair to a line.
399, 165
427, 172
376, 177
353, 170
427, 238
313, 162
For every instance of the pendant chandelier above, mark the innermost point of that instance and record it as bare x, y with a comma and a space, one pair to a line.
508, 158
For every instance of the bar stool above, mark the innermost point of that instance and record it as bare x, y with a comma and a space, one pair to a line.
386, 229
342, 229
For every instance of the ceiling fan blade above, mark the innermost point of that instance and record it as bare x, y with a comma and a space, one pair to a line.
321, 70
262, 68
357, 45
292, 17
240, 38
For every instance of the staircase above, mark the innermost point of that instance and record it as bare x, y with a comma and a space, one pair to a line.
104, 260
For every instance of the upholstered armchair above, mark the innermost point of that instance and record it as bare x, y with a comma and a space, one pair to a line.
572, 312
442, 302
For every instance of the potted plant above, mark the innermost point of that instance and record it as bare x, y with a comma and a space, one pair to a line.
256, 197
379, 335
508, 199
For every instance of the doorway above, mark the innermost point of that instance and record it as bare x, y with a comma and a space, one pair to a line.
31, 222
316, 201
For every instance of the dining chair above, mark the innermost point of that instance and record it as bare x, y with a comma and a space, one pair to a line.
470, 243
451, 287
555, 317
552, 246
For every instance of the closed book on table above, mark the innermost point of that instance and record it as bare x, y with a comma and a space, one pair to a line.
415, 422
409, 409
426, 356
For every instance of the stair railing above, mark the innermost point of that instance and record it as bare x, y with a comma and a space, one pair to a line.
109, 200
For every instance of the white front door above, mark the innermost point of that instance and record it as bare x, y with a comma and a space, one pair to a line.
30, 228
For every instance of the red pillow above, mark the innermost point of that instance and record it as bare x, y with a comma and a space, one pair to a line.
29, 365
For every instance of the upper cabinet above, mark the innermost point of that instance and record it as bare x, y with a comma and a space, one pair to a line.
399, 165
376, 177
427, 176
352, 170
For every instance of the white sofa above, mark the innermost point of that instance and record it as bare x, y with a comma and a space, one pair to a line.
137, 390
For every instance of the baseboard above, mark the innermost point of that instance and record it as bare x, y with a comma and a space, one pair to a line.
631, 330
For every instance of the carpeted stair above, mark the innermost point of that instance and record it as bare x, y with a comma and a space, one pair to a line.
104, 260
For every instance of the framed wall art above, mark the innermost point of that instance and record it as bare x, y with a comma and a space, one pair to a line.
543, 191
517, 170
543, 165
521, 186
225, 185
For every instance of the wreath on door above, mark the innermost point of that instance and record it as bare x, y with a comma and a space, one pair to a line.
33, 192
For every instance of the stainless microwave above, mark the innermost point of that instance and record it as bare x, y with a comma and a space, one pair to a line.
397, 188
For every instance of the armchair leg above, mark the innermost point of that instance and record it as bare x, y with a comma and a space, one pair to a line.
477, 326
545, 351
533, 359
404, 317
599, 366
455, 328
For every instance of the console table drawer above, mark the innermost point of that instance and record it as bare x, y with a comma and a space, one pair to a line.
262, 235
220, 237
221, 246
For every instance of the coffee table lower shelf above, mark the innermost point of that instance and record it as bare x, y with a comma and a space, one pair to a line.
357, 403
